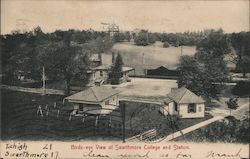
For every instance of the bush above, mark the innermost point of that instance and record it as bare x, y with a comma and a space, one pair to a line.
166, 45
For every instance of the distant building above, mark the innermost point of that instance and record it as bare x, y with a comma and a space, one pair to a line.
94, 101
184, 103
162, 71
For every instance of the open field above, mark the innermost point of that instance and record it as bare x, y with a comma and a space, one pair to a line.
148, 57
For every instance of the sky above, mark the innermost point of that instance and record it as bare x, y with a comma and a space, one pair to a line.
156, 16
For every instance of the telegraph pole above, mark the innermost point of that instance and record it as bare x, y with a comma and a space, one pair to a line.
123, 109
181, 51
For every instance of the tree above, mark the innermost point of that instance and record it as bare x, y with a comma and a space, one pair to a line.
203, 73
142, 38
116, 70
191, 76
64, 63
240, 43
127, 36
232, 103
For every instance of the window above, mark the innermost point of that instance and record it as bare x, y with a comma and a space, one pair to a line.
113, 98
80, 106
175, 106
191, 108
107, 102
101, 73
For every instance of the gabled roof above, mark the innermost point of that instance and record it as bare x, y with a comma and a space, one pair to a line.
93, 95
183, 95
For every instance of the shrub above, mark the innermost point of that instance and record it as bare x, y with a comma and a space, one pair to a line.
166, 45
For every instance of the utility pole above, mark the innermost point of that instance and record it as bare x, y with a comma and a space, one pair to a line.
181, 51
44, 88
123, 121
143, 58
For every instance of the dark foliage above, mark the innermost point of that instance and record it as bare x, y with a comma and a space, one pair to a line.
242, 88
116, 70
166, 45
64, 54
229, 130
200, 73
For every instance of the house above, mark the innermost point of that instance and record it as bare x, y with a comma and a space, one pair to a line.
162, 71
100, 75
184, 103
94, 101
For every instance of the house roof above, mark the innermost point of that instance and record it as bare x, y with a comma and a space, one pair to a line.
126, 69
107, 67
183, 95
102, 67
93, 95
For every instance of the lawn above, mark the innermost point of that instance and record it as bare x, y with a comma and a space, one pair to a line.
141, 117
145, 57
21, 122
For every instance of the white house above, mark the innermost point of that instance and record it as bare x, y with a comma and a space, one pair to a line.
184, 103
94, 101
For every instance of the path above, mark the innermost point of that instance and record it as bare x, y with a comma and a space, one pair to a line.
242, 112
32, 90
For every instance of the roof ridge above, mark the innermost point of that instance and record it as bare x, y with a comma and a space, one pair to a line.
94, 93
183, 93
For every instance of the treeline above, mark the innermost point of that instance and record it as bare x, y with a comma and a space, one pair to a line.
63, 54
144, 37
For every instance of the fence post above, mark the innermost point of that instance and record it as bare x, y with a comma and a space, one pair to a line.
58, 111
47, 112
40, 110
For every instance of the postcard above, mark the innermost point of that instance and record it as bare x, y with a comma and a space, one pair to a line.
125, 79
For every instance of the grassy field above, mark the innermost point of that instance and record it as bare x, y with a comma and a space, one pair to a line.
141, 117
21, 122
145, 57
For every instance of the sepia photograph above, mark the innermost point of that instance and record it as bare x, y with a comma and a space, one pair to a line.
132, 73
